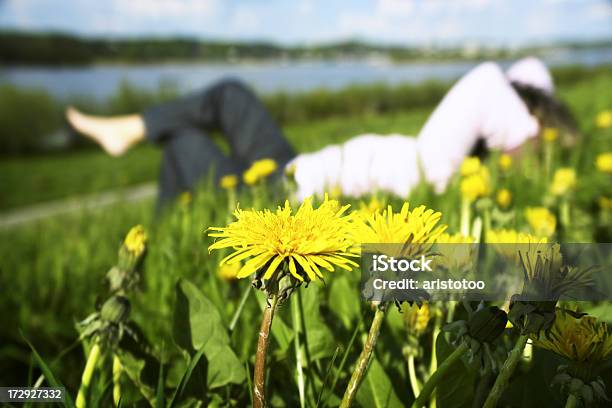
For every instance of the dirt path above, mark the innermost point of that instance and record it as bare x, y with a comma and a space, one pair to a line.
19, 216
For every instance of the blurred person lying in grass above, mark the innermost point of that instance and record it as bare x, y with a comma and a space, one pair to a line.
486, 107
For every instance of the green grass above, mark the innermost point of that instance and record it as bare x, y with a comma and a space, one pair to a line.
52, 271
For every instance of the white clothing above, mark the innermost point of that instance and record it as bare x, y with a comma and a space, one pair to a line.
482, 104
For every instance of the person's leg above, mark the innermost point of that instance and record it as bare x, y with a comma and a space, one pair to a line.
115, 134
188, 156
233, 109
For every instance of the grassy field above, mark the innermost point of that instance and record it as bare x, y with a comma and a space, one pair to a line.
52, 274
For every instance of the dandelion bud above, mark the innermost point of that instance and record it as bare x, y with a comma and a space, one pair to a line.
135, 241
564, 180
228, 182
603, 162
416, 318
550, 134
604, 119
504, 198
470, 165
116, 309
505, 162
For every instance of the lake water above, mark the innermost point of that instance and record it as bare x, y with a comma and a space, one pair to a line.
100, 81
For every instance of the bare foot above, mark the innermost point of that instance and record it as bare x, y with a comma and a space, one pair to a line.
115, 134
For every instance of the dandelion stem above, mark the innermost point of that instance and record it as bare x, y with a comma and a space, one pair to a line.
364, 359
572, 401
296, 320
414, 381
435, 378
506, 372
259, 374
116, 379
90, 366
465, 217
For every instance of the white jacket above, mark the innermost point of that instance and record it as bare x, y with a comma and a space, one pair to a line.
482, 104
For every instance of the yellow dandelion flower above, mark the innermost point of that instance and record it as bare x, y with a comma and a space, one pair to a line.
550, 134
541, 221
135, 240
505, 162
510, 236
503, 198
581, 339
416, 318
476, 185
259, 170
228, 182
229, 272
456, 256
370, 208
470, 166
604, 119
417, 226
564, 180
185, 198
603, 162
300, 243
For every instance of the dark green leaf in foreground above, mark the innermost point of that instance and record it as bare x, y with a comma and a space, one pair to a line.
198, 325
456, 390
377, 391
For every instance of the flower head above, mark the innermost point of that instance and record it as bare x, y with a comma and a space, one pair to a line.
476, 185
371, 207
509, 236
603, 162
550, 134
582, 339
135, 241
416, 318
564, 180
228, 182
505, 162
406, 226
229, 272
503, 198
541, 221
456, 256
604, 119
470, 166
259, 170
300, 243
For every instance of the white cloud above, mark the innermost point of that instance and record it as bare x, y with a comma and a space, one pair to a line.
599, 11
394, 8
166, 8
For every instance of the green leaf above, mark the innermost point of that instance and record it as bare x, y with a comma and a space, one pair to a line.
320, 341
343, 300
456, 389
376, 389
49, 374
198, 325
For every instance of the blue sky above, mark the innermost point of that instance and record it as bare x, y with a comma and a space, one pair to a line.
507, 22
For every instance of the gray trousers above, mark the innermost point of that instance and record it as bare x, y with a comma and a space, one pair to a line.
182, 128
